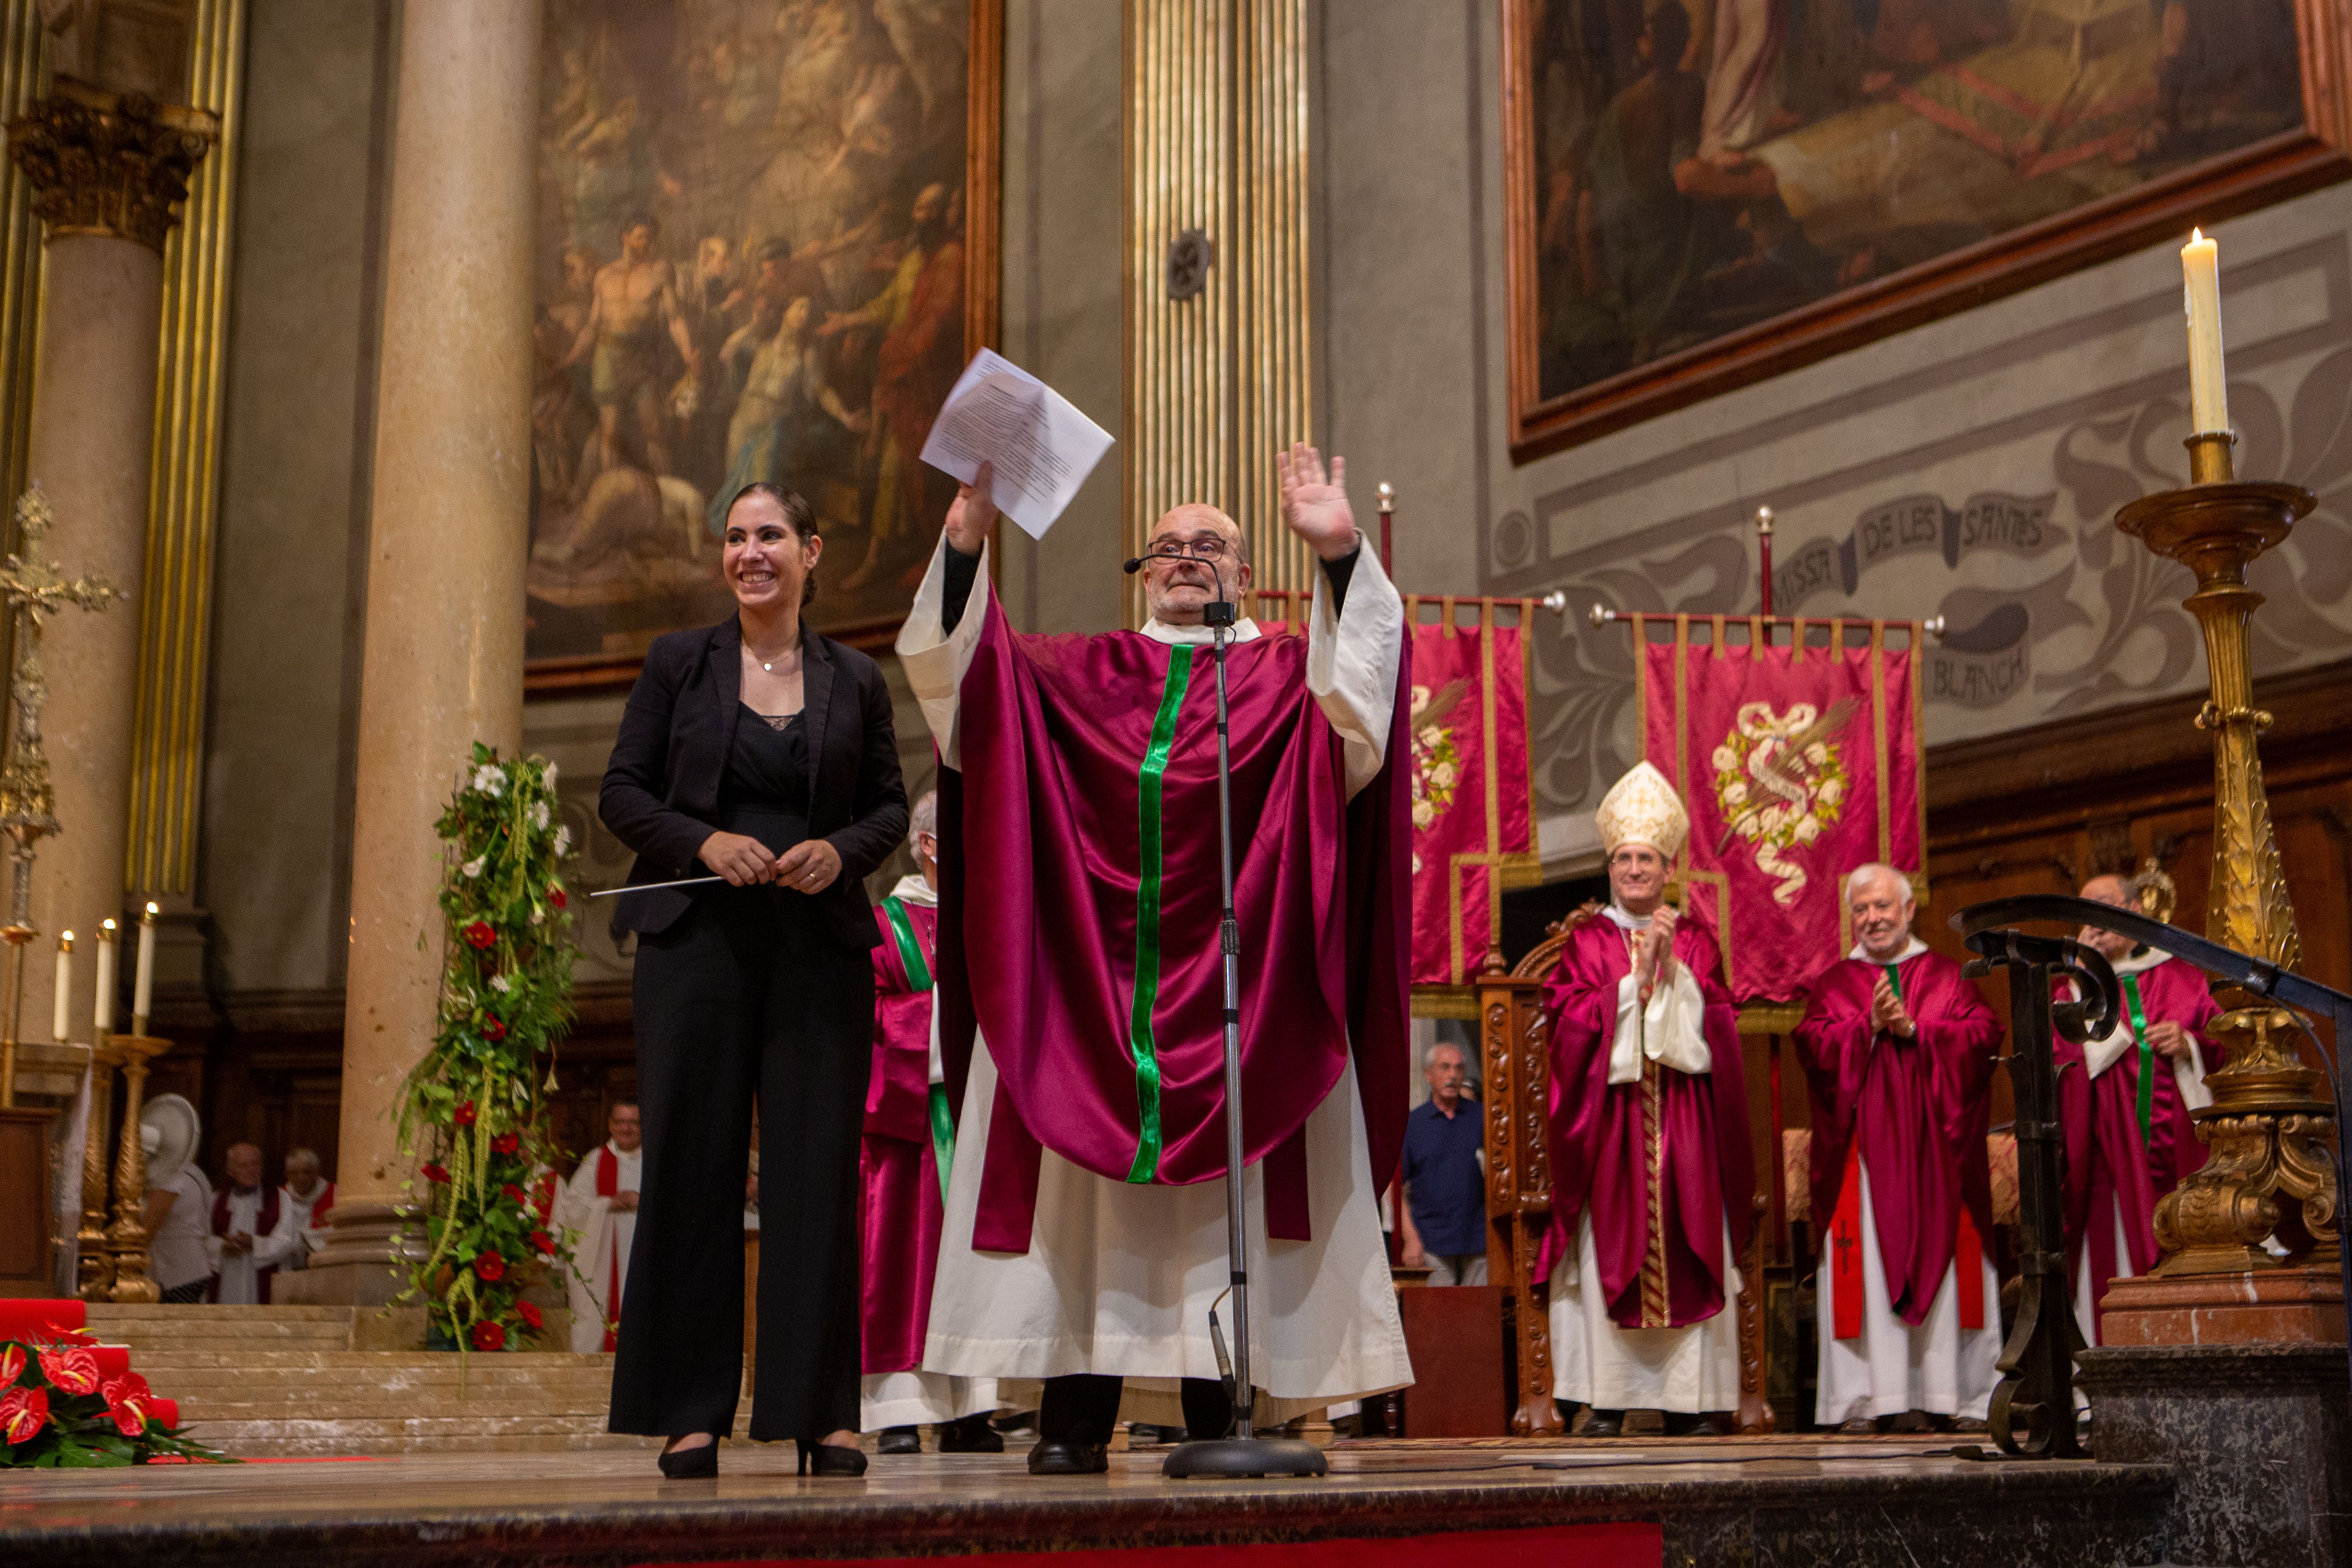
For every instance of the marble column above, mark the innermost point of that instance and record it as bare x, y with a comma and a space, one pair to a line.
107, 171
448, 543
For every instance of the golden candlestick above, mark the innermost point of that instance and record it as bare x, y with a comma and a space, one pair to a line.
95, 1275
128, 1238
2270, 1116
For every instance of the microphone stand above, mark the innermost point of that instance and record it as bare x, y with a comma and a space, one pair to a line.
1244, 1453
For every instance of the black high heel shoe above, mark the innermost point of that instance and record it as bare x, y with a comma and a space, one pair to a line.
691, 1464
832, 1459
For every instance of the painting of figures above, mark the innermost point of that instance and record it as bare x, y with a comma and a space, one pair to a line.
752, 265
1691, 169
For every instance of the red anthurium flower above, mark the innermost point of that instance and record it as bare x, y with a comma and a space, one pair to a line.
464, 1115
71, 1369
493, 1031
435, 1174
23, 1413
12, 1362
491, 1267
480, 934
543, 1243
127, 1403
507, 1144
529, 1314
488, 1336
556, 899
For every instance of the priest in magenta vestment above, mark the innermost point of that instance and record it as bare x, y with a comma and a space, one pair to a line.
1081, 1003
1898, 1052
2124, 1105
1651, 1171
904, 1158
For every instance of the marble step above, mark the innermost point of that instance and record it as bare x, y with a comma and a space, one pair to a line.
535, 1363
249, 1434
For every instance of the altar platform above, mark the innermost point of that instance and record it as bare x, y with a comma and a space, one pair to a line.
1692, 1503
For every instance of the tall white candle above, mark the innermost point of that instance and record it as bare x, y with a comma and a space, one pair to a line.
142, 990
106, 943
2208, 398
62, 1014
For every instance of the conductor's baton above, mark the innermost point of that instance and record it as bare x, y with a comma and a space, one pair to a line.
649, 886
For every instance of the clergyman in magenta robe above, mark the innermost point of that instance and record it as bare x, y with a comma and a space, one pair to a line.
2124, 1105
1651, 1171
904, 1159
1898, 1052
1081, 1010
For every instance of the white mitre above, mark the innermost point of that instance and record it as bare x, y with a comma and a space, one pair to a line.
1642, 808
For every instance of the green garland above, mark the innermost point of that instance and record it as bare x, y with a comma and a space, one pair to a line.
472, 1105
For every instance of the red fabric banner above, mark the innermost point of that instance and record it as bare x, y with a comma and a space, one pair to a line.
1472, 811
1796, 763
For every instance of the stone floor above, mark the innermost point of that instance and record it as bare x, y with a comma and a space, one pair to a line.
1721, 1504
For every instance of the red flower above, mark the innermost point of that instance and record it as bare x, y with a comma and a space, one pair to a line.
480, 935
556, 899
23, 1413
464, 1115
507, 1144
488, 1336
435, 1174
543, 1243
12, 1362
513, 1192
529, 1314
126, 1400
71, 1369
493, 1031
490, 1267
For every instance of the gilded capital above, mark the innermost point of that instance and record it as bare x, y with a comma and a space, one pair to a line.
107, 162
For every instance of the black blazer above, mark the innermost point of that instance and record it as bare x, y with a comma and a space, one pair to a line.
661, 789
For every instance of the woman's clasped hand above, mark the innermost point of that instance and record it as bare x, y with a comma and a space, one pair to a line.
809, 867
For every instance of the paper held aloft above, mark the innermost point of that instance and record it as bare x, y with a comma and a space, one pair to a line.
1040, 446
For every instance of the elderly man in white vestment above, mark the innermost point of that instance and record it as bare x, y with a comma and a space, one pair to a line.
599, 1205
1099, 1277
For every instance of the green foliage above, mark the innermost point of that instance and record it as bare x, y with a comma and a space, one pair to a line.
57, 1411
472, 1106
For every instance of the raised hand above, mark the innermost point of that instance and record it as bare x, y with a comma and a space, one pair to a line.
972, 513
1314, 504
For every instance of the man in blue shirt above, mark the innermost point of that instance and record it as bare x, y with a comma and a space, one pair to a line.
1445, 1176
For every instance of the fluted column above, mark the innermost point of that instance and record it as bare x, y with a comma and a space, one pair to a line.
109, 171
443, 661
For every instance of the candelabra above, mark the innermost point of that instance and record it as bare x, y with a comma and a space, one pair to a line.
2270, 1119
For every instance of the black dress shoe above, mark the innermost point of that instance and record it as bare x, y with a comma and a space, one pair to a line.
830, 1459
972, 1435
691, 1464
1603, 1424
1069, 1459
900, 1440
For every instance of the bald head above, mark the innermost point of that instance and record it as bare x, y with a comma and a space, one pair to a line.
2113, 891
244, 1164
1878, 904
1176, 590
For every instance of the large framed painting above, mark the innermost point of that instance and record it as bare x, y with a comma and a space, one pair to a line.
1703, 193
766, 246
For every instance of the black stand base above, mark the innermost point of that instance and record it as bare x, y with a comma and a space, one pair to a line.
1245, 1457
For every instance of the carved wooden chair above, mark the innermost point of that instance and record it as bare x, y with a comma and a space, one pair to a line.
1516, 1052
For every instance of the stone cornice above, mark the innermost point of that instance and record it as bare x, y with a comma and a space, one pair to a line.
103, 163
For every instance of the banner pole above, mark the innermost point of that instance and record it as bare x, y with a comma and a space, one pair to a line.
1764, 551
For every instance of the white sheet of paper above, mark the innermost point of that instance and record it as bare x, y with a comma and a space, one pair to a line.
1042, 448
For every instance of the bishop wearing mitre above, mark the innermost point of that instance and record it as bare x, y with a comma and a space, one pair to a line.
1898, 1052
2124, 1104
1651, 1166
1080, 979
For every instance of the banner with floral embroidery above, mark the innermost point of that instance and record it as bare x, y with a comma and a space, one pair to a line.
1798, 761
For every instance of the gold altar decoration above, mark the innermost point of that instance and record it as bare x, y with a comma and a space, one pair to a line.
1217, 380
20, 246
94, 1275
183, 484
2270, 1119
108, 163
127, 1238
34, 592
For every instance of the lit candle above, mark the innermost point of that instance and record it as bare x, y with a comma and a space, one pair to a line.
63, 1003
143, 989
2208, 398
106, 941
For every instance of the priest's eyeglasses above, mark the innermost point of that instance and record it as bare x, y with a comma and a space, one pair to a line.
1209, 548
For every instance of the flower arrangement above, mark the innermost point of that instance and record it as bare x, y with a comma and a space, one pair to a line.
68, 1402
472, 1105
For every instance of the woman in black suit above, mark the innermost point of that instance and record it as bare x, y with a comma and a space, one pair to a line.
763, 752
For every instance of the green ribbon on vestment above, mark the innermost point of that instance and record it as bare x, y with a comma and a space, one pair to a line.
942, 1136
2146, 1056
910, 952
1140, 1044
1894, 978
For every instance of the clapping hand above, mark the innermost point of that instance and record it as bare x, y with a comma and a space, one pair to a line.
2170, 1040
1653, 963
1887, 1011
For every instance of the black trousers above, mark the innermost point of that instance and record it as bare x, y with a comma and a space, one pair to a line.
1083, 1407
747, 997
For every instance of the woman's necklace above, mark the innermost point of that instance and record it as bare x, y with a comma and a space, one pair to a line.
769, 664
